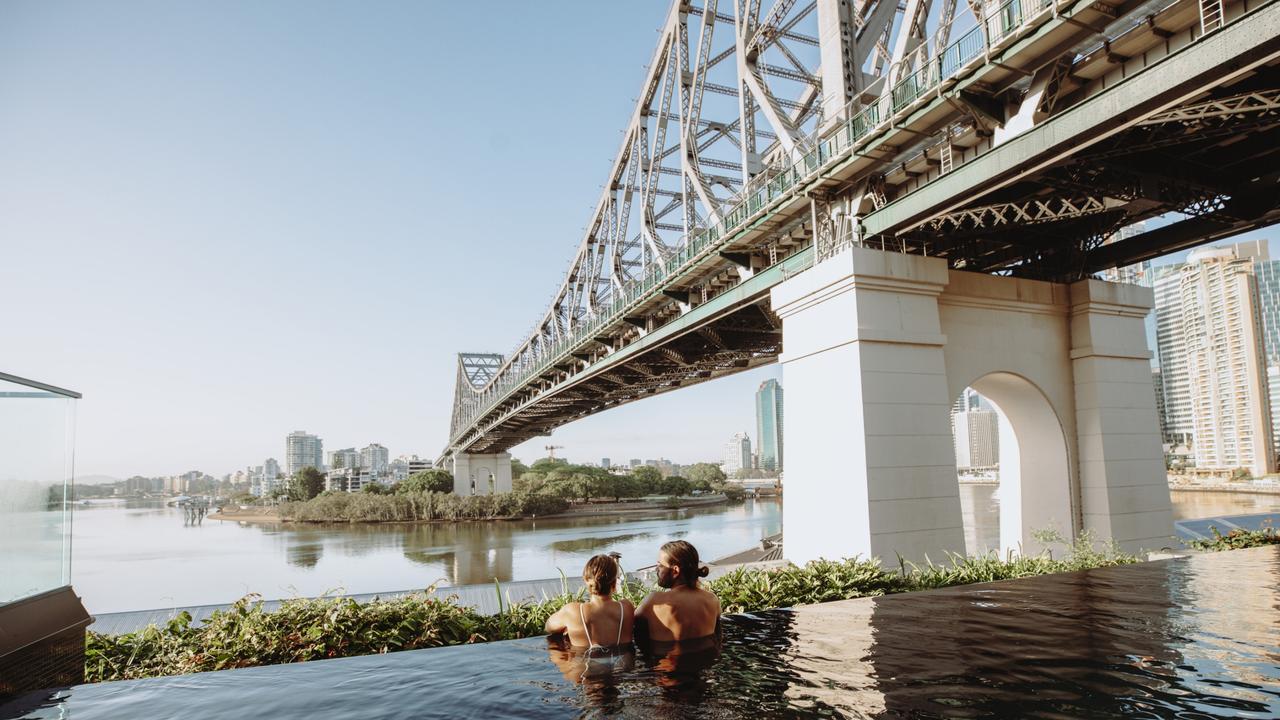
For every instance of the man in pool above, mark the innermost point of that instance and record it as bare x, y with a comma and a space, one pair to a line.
683, 611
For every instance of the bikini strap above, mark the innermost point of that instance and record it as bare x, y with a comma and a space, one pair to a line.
585, 629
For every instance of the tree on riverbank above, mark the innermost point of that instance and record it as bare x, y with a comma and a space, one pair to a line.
433, 480
305, 484
708, 473
408, 507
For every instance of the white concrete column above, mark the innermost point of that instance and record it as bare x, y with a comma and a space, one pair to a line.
870, 464
1123, 491
473, 473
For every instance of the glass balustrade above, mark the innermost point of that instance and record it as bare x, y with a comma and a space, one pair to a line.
37, 436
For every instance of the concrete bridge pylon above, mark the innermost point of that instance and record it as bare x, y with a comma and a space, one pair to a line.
876, 347
481, 474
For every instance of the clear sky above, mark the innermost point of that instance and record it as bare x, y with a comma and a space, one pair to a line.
226, 221
223, 222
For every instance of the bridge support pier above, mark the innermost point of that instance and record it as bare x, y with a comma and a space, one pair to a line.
481, 474
878, 346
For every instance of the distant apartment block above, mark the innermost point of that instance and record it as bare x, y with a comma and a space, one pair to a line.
1225, 362
1170, 354
374, 457
344, 458
977, 438
265, 479
303, 450
353, 479
737, 454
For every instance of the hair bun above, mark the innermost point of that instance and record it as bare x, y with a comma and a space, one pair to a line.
704, 571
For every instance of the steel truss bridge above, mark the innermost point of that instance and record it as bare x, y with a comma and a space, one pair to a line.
1015, 138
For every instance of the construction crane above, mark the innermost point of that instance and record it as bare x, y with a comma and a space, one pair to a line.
551, 450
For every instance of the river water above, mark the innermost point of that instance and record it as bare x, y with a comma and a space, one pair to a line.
135, 555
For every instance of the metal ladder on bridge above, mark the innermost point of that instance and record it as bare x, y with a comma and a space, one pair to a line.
1211, 14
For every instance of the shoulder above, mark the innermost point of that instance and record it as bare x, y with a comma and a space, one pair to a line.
647, 604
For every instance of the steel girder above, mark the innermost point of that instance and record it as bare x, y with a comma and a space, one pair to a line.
734, 88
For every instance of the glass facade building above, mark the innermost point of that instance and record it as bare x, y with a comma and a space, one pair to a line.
769, 425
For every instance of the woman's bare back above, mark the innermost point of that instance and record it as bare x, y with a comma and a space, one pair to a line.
607, 623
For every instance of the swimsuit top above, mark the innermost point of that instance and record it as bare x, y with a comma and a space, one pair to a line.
591, 646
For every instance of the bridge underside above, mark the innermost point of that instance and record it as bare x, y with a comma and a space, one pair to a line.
748, 337
1216, 166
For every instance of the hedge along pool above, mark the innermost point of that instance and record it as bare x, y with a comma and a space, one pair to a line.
1195, 637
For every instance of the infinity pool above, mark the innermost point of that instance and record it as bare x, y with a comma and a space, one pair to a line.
1188, 638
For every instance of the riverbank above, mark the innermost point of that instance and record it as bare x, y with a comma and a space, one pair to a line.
640, 506
249, 515
1236, 488
585, 510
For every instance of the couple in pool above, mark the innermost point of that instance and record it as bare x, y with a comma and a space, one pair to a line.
681, 612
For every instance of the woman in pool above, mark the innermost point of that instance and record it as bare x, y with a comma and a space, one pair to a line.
601, 625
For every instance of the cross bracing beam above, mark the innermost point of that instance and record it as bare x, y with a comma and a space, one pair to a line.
1027, 212
1266, 101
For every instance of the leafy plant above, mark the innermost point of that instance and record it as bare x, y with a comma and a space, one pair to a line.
1237, 539
411, 506
247, 634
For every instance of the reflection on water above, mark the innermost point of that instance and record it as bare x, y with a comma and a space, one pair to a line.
592, 544
980, 510
1189, 638
1192, 505
138, 554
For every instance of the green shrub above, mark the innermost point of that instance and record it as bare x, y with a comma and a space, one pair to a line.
731, 491
747, 590
310, 629
406, 507
1237, 539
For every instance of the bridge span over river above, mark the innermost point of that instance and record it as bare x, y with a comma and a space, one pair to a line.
896, 200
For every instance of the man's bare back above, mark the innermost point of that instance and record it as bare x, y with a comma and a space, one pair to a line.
682, 613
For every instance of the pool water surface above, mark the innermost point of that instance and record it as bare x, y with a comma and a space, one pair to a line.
1197, 637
